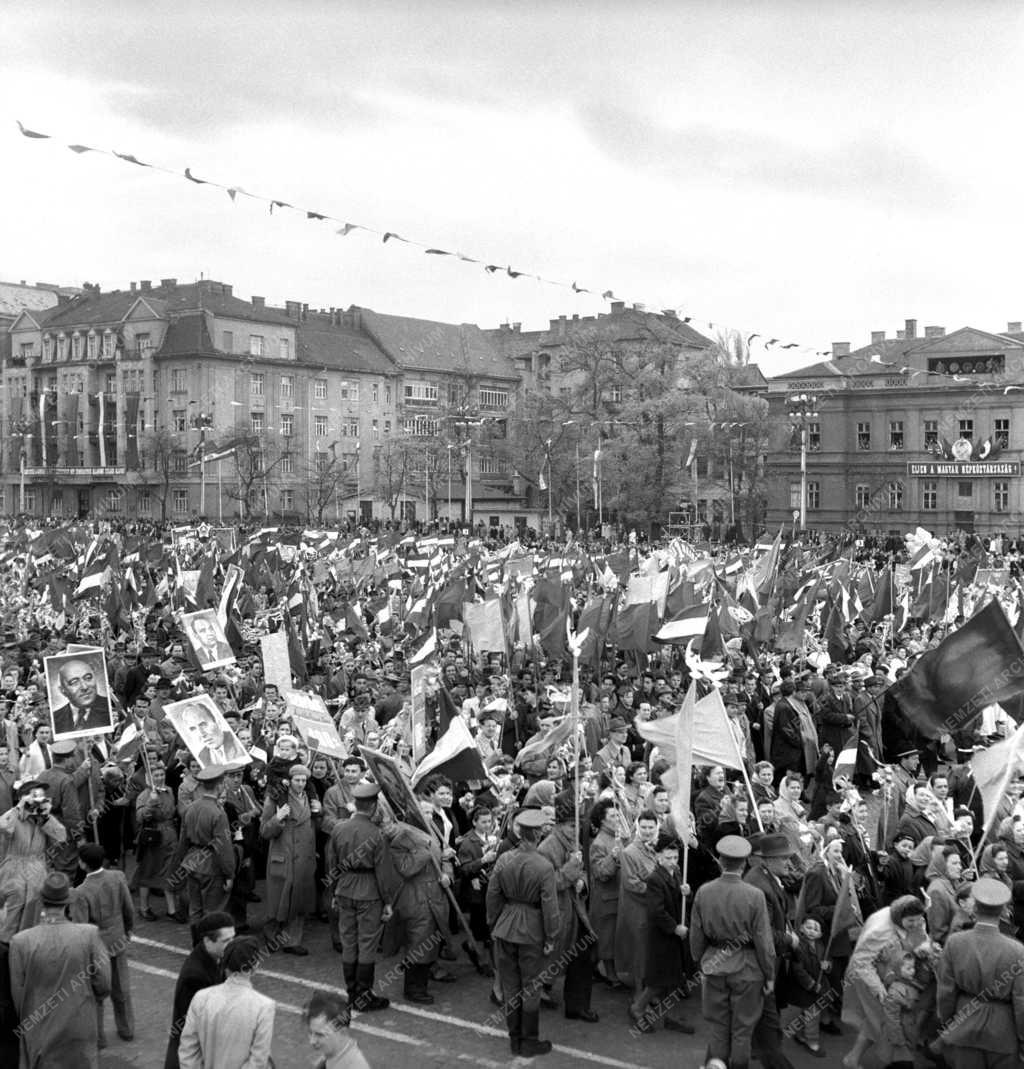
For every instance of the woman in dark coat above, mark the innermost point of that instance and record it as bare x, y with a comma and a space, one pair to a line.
156, 843
665, 971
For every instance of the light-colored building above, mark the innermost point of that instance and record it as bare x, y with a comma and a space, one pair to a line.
920, 429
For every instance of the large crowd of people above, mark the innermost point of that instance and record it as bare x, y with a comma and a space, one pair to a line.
843, 910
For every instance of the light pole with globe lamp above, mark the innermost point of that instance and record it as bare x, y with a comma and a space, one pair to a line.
803, 411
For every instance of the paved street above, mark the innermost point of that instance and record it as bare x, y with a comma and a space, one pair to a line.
462, 1027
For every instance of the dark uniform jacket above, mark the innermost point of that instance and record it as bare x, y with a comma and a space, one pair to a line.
522, 902
363, 866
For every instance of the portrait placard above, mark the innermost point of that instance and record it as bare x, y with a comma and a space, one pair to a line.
78, 693
208, 736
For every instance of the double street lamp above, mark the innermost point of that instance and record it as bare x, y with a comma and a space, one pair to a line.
803, 412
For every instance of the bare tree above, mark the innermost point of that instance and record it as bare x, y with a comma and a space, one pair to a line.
156, 453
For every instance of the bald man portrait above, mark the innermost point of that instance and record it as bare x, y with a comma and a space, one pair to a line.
79, 703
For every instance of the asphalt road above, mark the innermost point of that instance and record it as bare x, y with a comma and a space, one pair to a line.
461, 1028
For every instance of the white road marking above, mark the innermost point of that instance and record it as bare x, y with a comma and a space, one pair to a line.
413, 1011
357, 1026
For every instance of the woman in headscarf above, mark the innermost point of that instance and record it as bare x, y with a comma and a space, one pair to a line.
888, 934
995, 863
288, 826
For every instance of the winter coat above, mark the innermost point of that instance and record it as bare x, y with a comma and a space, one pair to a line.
663, 902
291, 859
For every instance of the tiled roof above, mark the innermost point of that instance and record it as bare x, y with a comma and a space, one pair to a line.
426, 345
329, 345
92, 308
188, 335
748, 375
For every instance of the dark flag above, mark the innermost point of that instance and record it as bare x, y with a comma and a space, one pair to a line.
948, 687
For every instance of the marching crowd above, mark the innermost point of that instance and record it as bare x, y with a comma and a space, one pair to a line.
800, 902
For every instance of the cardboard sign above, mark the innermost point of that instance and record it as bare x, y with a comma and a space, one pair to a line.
277, 668
313, 723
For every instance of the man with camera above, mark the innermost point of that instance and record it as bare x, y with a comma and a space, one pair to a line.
27, 832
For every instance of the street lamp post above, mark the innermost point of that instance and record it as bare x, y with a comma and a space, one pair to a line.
802, 412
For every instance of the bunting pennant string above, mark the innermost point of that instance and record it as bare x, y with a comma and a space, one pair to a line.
345, 228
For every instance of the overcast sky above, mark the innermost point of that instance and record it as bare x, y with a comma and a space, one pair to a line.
812, 171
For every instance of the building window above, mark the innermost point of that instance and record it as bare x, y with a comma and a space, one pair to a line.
114, 500
255, 344
895, 434
47, 348
965, 489
1001, 496
972, 365
111, 384
320, 389
895, 497
1001, 433
228, 341
143, 343
813, 437
144, 503
615, 395
374, 430
287, 500
862, 495
966, 428
421, 427
350, 391
109, 344
256, 422
931, 433
287, 464
256, 381
284, 348
287, 387
92, 345
794, 496
178, 420
76, 346
320, 426
57, 503
178, 380
863, 435
387, 426
420, 393
490, 465
179, 461
322, 463
26, 350
179, 502
287, 424
30, 500
387, 395
62, 347
491, 398
813, 496
350, 428
375, 392
929, 495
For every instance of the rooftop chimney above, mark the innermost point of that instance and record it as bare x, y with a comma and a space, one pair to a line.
133, 287
911, 329
877, 337
168, 283
1013, 327
901, 335
840, 348
145, 285
259, 302
517, 327
669, 313
292, 309
618, 307
934, 332
305, 311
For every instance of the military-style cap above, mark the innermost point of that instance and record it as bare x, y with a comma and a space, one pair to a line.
991, 893
617, 724
532, 818
64, 747
733, 846
365, 790
210, 773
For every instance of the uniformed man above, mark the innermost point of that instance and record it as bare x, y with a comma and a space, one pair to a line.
980, 994
365, 885
731, 938
64, 805
522, 910
205, 849
768, 865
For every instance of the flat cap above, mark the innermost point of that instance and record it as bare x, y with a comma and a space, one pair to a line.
56, 890
991, 893
365, 790
733, 846
210, 773
64, 747
532, 818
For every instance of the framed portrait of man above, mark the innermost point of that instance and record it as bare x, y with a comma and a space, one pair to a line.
208, 736
394, 787
79, 698
207, 639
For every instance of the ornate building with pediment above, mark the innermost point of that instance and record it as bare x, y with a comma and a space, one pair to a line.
914, 430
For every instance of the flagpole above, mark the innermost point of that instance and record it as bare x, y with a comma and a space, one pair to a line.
575, 698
